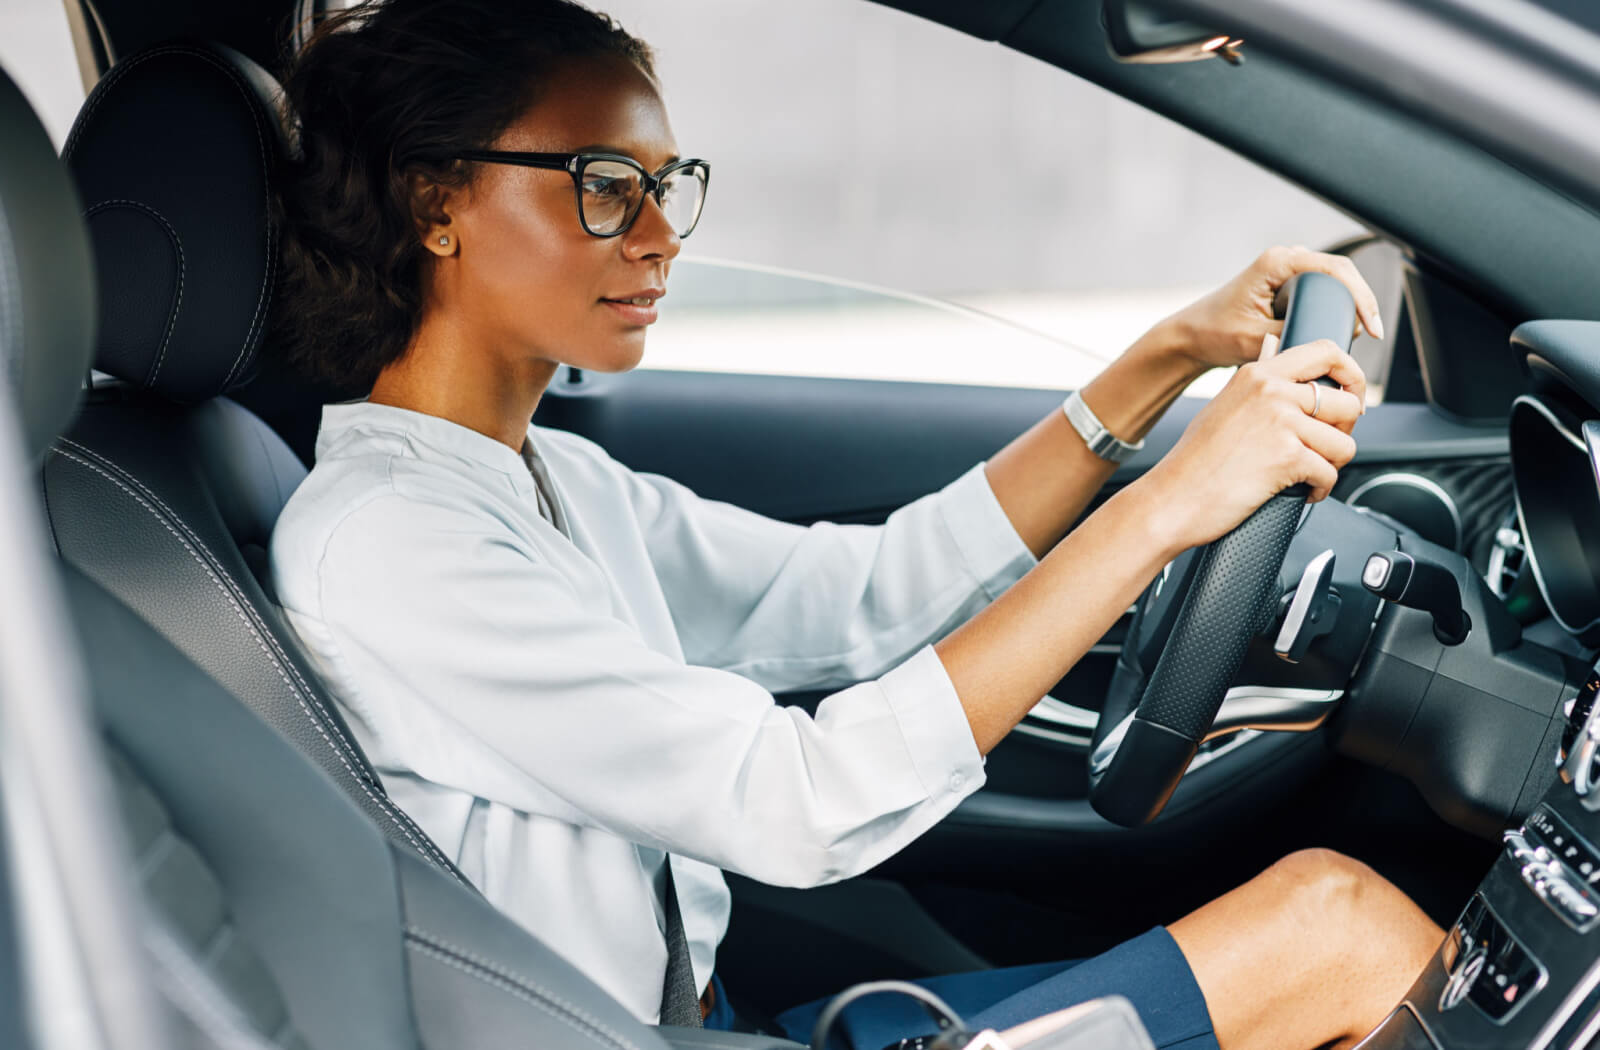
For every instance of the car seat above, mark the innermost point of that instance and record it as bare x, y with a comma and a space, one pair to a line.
163, 491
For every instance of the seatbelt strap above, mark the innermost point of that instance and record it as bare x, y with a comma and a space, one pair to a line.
680, 996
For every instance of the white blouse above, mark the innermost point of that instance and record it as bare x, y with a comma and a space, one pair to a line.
560, 703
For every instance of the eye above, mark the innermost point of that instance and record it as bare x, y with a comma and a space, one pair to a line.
602, 186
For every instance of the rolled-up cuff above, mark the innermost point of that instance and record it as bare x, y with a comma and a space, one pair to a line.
934, 725
990, 546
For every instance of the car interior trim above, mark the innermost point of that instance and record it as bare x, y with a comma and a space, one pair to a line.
1533, 403
1414, 481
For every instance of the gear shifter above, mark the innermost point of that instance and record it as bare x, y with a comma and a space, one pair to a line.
1417, 583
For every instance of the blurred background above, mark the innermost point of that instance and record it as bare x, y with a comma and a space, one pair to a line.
892, 199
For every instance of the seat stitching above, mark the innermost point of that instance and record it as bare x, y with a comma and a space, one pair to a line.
120, 70
177, 243
401, 820
265, 634
522, 987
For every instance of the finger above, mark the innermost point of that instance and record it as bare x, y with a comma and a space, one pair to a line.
1334, 407
1321, 358
1341, 269
1335, 446
1319, 474
1269, 347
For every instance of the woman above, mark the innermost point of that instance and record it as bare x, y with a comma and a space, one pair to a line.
563, 669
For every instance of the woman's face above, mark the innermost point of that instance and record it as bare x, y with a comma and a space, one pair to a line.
522, 275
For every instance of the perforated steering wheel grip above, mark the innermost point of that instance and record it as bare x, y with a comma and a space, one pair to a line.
1231, 599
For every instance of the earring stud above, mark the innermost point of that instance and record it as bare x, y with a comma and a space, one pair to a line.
444, 241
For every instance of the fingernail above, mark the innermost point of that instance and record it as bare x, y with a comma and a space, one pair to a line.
1377, 327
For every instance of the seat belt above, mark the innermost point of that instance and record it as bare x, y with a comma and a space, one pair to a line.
680, 996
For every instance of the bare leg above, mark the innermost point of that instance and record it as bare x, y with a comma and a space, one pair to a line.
1315, 951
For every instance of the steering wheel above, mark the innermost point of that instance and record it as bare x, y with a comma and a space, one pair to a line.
1149, 732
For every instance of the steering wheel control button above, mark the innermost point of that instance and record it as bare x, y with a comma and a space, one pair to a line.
1313, 609
1487, 966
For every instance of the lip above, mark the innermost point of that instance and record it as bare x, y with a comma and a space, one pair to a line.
633, 314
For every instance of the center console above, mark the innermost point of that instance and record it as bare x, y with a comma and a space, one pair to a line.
1521, 966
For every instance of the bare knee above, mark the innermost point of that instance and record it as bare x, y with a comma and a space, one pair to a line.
1351, 906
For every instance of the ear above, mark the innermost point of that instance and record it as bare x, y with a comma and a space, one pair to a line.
431, 204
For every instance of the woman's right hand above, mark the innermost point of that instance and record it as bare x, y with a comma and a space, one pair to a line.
1257, 437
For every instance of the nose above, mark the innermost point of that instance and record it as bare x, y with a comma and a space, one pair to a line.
651, 236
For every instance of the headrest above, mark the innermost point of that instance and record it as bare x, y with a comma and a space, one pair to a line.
46, 278
176, 154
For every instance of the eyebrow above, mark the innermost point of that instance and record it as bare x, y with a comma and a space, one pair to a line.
600, 147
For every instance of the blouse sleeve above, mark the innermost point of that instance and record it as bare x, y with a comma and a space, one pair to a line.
501, 684
821, 606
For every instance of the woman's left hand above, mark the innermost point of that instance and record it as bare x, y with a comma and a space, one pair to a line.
1226, 327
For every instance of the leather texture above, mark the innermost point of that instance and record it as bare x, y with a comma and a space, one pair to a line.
341, 938
175, 153
1231, 599
46, 277
473, 970
168, 505
163, 505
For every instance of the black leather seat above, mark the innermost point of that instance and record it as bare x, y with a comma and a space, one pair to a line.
163, 491
314, 928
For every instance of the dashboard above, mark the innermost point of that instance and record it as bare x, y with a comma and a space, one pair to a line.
1521, 965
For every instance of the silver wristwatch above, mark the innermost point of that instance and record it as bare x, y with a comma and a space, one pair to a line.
1101, 441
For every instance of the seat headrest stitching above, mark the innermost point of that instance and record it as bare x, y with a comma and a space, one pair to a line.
265, 640
250, 99
177, 244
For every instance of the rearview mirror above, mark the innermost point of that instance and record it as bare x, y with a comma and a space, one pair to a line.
1139, 34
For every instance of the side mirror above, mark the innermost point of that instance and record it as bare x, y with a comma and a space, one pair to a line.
1139, 34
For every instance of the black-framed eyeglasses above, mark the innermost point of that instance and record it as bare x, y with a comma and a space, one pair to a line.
611, 188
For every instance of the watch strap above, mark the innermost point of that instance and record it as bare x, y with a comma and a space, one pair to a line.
1101, 441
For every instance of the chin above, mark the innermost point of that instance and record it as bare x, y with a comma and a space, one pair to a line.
623, 355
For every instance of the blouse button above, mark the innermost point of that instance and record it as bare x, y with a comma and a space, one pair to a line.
956, 780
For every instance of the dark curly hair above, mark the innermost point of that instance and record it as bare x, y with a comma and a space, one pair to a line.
377, 94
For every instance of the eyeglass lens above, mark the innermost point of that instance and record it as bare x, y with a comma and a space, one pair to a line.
612, 194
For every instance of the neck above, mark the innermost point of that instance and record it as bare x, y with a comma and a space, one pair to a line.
453, 372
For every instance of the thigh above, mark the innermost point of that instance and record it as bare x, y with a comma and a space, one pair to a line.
1149, 970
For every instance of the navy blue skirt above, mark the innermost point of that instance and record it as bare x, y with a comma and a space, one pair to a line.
1148, 970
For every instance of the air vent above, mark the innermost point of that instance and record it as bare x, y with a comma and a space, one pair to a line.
1506, 557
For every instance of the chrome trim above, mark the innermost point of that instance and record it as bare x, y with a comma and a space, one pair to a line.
1274, 709
1550, 417
1072, 740
1415, 481
1591, 445
1064, 714
1522, 521
1507, 542
1267, 708
1295, 620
